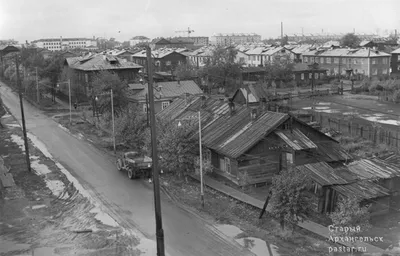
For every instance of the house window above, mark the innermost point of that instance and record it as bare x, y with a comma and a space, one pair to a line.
305, 59
207, 155
302, 76
168, 63
289, 158
322, 60
373, 61
227, 165
398, 57
384, 71
336, 60
145, 108
309, 75
355, 61
316, 75
361, 61
164, 104
316, 59
374, 71
343, 60
328, 60
86, 78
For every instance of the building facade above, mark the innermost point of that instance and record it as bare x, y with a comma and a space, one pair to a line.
58, 44
344, 61
197, 40
395, 62
165, 60
234, 39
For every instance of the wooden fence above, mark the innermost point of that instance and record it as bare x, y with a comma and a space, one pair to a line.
355, 127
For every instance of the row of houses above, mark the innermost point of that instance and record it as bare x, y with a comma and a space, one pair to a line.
249, 145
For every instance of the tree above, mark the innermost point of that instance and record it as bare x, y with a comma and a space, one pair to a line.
289, 199
177, 147
284, 40
102, 83
130, 127
281, 68
349, 213
185, 71
2, 110
221, 69
350, 40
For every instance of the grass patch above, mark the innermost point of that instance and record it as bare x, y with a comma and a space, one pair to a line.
362, 147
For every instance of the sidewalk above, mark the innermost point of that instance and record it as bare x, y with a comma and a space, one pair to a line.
308, 225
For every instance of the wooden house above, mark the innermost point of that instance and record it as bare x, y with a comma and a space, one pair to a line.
330, 184
248, 146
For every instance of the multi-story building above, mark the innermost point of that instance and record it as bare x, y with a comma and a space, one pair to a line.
165, 60
234, 39
365, 61
138, 39
58, 44
395, 62
197, 40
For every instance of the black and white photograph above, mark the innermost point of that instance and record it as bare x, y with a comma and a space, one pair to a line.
200, 128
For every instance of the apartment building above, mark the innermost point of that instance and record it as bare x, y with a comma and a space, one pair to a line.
197, 40
234, 39
58, 44
138, 39
365, 61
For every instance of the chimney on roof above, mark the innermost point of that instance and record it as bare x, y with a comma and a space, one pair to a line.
263, 103
231, 107
253, 114
203, 101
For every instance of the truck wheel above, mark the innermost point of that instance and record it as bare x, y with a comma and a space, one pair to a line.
119, 165
131, 174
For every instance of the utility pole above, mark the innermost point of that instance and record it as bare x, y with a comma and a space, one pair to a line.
147, 111
201, 165
37, 86
113, 125
70, 102
28, 161
157, 203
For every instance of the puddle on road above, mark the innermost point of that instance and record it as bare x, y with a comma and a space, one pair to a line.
324, 103
350, 113
9, 246
321, 108
258, 247
229, 230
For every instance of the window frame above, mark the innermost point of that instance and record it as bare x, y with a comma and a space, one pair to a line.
163, 103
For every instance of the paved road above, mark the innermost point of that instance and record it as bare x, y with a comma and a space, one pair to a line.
129, 202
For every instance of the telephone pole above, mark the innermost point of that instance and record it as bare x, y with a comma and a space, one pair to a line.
37, 86
28, 162
157, 203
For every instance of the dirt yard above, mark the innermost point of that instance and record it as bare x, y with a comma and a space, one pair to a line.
44, 214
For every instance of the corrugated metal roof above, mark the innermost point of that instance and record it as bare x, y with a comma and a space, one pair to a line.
296, 139
233, 135
331, 152
100, 62
362, 190
325, 175
373, 169
171, 89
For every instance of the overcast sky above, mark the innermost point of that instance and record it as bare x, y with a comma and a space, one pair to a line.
29, 20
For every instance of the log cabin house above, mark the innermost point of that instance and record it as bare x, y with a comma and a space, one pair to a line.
248, 146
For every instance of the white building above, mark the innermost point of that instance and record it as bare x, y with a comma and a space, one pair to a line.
234, 39
58, 44
138, 39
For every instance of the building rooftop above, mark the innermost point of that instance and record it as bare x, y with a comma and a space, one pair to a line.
93, 62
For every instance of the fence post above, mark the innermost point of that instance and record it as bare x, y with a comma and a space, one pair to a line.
329, 122
338, 122
361, 131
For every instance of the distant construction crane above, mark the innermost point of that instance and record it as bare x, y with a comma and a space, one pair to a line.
188, 31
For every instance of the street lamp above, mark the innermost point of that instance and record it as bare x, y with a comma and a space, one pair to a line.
201, 153
69, 93
112, 115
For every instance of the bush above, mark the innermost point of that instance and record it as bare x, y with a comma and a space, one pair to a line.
396, 96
